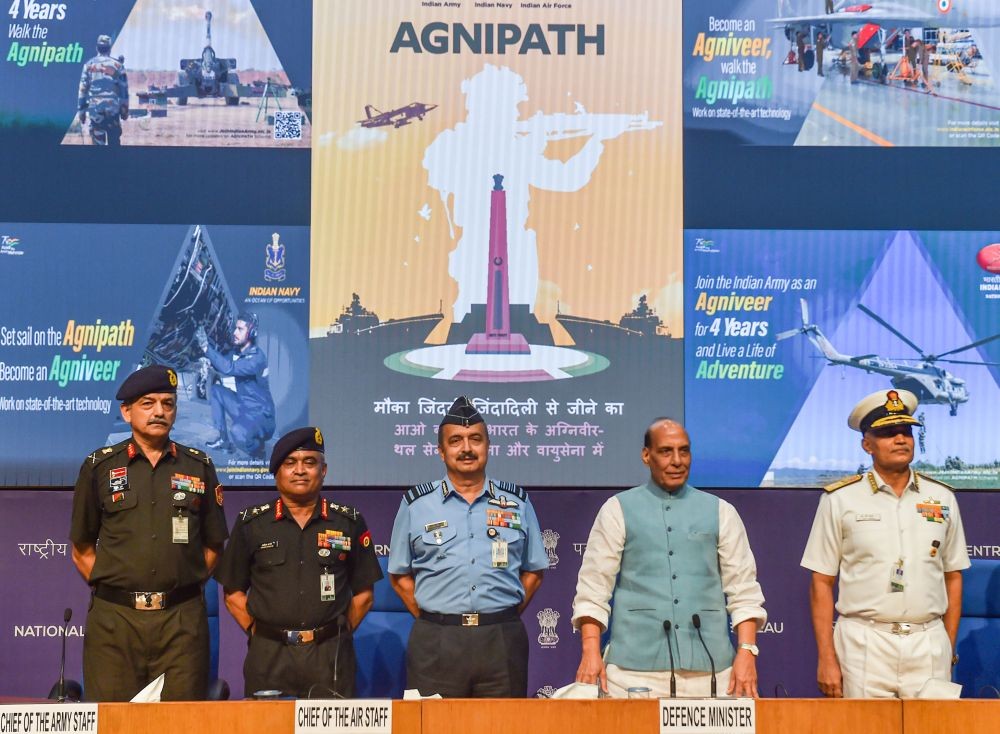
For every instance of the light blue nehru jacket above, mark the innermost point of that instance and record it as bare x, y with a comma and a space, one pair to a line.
669, 570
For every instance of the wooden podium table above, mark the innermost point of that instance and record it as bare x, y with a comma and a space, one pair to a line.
536, 716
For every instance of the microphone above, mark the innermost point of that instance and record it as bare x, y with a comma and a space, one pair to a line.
61, 690
670, 649
696, 621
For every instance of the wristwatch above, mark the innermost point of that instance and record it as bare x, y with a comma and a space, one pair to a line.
751, 647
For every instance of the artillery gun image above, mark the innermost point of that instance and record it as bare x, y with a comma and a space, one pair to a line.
210, 77
207, 76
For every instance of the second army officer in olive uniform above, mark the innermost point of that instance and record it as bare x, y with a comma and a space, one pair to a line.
298, 575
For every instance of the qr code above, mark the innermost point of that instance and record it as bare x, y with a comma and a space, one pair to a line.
288, 125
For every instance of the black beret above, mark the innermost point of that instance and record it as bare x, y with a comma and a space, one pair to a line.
155, 378
462, 413
309, 438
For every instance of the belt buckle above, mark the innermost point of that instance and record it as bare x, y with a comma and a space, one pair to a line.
470, 620
149, 600
299, 637
901, 628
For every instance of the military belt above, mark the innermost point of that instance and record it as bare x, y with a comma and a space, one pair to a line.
471, 619
147, 601
297, 637
896, 628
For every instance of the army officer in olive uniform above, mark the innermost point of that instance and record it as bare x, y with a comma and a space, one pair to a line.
298, 576
147, 528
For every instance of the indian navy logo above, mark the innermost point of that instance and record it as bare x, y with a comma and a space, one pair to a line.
549, 540
274, 263
547, 620
545, 692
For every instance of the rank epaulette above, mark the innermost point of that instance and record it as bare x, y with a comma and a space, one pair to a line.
932, 479
343, 510
105, 452
840, 483
251, 512
417, 492
200, 455
510, 488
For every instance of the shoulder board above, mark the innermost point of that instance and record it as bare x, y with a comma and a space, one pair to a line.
510, 488
932, 479
417, 492
105, 452
841, 483
251, 512
194, 453
343, 510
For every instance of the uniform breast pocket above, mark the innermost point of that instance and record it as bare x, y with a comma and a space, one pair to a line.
438, 538
118, 501
866, 541
270, 557
513, 538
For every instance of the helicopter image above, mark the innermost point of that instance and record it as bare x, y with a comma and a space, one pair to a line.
930, 382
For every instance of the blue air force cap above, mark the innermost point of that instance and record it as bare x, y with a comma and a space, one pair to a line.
461, 413
309, 438
155, 378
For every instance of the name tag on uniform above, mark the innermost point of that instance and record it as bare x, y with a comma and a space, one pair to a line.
179, 523
435, 525
499, 553
326, 592
868, 517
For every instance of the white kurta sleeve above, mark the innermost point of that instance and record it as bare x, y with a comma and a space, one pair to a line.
744, 597
601, 563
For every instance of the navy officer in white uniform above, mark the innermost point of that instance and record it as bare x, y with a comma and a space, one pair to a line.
895, 540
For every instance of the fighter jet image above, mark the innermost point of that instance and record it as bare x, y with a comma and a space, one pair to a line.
397, 117
929, 382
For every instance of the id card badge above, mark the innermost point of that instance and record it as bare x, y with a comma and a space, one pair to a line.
180, 528
897, 581
326, 592
499, 554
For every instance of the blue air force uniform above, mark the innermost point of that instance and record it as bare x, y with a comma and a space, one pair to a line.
469, 627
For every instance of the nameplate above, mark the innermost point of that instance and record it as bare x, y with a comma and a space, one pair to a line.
354, 716
708, 716
48, 717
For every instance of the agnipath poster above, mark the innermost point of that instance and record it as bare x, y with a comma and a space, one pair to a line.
496, 213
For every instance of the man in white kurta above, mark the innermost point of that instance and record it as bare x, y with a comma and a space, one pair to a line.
895, 540
692, 555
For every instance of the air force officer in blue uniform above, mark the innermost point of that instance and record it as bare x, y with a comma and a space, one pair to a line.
466, 558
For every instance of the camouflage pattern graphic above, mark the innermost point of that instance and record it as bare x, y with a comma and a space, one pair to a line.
103, 91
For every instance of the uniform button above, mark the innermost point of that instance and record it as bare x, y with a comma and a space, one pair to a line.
669, 529
473, 560
674, 576
670, 553
677, 601
154, 537
153, 572
472, 535
473, 587
668, 508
